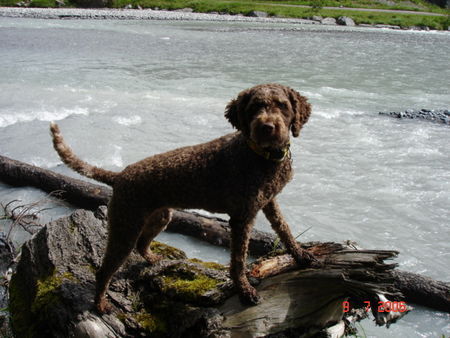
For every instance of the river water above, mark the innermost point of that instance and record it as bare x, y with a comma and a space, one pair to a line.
123, 90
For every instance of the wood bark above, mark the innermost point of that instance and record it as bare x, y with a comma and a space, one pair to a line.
416, 288
76, 192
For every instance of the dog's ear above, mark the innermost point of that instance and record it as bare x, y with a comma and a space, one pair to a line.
302, 110
236, 107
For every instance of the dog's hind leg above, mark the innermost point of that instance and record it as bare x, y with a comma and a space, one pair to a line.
124, 229
154, 224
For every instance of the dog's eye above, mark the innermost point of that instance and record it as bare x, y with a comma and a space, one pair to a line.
282, 105
259, 105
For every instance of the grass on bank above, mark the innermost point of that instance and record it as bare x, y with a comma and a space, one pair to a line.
410, 5
276, 8
245, 7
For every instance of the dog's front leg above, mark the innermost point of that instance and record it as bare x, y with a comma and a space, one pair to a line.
240, 235
273, 214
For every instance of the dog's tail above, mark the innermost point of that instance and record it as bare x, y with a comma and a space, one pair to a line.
72, 161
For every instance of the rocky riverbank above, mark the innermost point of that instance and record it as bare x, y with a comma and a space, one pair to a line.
136, 14
440, 115
185, 14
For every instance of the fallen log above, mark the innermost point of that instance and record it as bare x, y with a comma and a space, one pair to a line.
75, 192
417, 289
423, 290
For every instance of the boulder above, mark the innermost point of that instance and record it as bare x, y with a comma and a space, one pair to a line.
51, 293
345, 21
328, 21
258, 14
6, 260
387, 26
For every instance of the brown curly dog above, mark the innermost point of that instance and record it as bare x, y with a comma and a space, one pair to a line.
237, 174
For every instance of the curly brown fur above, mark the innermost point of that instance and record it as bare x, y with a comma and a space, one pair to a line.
224, 175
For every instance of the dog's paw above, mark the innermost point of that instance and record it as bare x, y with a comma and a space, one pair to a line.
151, 257
249, 296
103, 306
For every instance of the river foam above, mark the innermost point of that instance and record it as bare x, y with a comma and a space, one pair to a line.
10, 118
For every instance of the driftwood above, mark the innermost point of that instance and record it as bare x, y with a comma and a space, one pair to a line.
76, 192
416, 288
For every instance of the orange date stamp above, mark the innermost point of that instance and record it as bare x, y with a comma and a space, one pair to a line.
386, 306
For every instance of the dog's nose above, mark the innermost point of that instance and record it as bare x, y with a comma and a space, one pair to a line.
268, 128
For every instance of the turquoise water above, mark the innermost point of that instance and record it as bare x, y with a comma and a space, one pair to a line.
123, 90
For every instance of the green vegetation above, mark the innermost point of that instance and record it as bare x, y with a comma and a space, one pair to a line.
186, 282
153, 319
47, 291
397, 19
412, 5
287, 9
209, 265
167, 251
150, 323
189, 288
179, 286
279, 9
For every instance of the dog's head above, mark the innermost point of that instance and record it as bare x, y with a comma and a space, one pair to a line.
265, 114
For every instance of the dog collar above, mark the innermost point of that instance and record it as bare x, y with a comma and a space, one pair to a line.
276, 155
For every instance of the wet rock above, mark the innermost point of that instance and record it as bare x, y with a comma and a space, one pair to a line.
6, 253
258, 14
345, 21
51, 293
419, 28
387, 26
317, 18
439, 116
328, 21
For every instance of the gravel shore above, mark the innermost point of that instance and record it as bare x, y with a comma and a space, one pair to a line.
134, 14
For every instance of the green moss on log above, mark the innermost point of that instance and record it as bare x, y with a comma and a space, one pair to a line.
186, 282
167, 251
209, 265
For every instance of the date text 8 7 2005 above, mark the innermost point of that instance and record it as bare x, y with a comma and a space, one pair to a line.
387, 306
